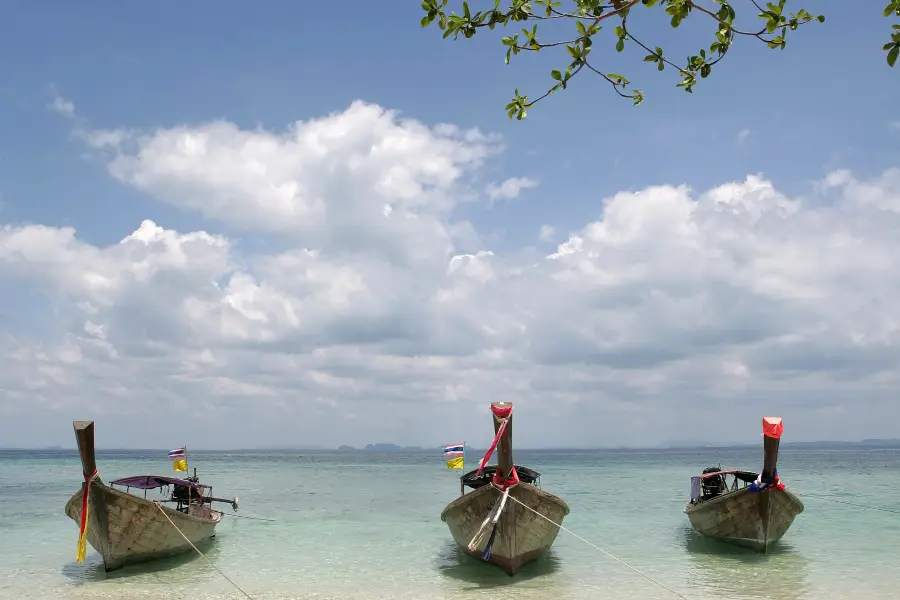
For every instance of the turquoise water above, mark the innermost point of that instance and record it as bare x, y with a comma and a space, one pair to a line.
367, 526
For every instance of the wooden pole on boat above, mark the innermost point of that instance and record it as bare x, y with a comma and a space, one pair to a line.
504, 447
462, 485
187, 469
84, 436
772, 430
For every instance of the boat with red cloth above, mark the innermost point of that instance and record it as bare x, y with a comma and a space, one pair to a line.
126, 528
748, 509
507, 520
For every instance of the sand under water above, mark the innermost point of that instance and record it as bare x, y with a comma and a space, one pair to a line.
357, 526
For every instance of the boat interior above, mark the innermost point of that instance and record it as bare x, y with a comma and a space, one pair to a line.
715, 482
526, 475
185, 492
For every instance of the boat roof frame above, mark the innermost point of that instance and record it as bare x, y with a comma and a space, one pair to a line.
152, 482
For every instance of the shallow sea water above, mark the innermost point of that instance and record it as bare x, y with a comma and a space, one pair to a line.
367, 526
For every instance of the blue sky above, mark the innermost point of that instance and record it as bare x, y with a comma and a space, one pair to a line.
825, 104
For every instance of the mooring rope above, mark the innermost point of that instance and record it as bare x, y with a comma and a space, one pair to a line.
491, 519
896, 512
233, 516
237, 587
596, 547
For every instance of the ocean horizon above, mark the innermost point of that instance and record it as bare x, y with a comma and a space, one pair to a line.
873, 443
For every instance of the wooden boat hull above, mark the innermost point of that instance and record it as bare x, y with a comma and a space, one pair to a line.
126, 529
753, 520
521, 537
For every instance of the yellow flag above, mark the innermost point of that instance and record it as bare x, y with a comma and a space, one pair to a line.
455, 463
180, 465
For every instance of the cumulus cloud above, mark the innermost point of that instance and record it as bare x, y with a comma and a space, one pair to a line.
349, 181
509, 188
62, 106
675, 307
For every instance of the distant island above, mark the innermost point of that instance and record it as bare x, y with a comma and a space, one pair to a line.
867, 443
673, 445
380, 447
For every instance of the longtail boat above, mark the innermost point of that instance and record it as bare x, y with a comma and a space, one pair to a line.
748, 509
125, 528
507, 520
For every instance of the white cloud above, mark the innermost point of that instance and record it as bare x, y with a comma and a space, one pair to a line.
62, 106
371, 323
742, 136
546, 233
509, 188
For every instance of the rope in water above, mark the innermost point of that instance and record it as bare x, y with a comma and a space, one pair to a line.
896, 512
231, 516
596, 547
237, 587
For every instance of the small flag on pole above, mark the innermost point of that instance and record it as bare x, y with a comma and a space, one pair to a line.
180, 465
454, 450
457, 455
455, 463
176, 453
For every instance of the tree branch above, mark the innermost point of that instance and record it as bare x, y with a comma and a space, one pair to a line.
589, 16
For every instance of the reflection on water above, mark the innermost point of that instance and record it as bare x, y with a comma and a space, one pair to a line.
453, 562
92, 568
730, 571
462, 574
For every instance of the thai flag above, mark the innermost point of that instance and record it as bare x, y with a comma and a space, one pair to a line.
454, 450
176, 453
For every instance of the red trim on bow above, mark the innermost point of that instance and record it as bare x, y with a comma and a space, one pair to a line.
511, 482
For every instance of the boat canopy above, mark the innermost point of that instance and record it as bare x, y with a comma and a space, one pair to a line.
151, 482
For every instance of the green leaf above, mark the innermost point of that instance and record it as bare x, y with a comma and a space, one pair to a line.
556, 75
821, 18
620, 45
892, 56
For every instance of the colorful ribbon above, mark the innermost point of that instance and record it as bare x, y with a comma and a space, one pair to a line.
82, 532
501, 413
760, 486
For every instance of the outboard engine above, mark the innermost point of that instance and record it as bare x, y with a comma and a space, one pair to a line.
180, 493
714, 485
